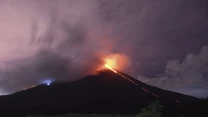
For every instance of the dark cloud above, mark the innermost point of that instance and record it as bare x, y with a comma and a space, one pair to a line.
26, 73
189, 76
74, 36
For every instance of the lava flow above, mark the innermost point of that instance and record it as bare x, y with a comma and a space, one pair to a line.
116, 62
112, 63
108, 66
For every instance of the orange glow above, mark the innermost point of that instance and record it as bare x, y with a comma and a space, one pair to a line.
111, 63
114, 62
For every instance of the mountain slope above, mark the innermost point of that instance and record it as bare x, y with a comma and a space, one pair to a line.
106, 92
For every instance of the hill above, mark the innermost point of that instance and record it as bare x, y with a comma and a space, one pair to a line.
105, 92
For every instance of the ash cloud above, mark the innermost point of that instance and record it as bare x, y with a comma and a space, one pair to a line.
56, 47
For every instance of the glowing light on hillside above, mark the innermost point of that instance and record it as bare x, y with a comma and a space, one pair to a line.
47, 82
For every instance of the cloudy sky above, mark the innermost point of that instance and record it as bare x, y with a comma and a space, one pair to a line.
166, 41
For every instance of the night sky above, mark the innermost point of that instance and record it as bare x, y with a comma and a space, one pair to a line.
166, 41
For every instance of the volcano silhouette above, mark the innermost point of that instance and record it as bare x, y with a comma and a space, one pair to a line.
105, 92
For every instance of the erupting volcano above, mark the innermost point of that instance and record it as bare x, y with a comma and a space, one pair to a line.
109, 91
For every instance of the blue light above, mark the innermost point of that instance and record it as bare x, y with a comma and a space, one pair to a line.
47, 82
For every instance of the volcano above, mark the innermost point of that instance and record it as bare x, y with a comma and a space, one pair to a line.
105, 92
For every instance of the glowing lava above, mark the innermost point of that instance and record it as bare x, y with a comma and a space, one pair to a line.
107, 66
114, 62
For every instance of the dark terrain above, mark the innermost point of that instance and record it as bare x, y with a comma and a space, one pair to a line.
105, 92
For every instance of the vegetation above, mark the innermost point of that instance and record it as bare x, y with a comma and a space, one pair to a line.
87, 115
152, 110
